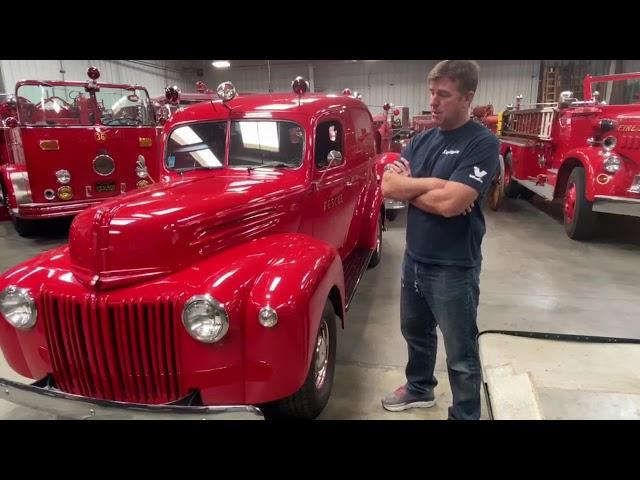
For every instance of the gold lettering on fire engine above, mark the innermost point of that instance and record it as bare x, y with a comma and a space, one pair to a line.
332, 202
101, 136
629, 128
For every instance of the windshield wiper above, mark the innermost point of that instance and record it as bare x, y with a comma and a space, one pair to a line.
274, 163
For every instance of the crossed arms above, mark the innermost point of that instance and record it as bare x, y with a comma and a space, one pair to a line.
433, 195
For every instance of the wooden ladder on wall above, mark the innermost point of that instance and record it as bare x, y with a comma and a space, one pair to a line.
551, 85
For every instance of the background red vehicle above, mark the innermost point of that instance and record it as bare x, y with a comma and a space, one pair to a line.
586, 152
392, 135
69, 145
218, 289
173, 99
484, 114
422, 122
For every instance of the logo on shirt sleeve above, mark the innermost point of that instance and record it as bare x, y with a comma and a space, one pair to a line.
477, 174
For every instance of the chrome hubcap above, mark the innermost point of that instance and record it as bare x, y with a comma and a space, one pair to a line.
322, 356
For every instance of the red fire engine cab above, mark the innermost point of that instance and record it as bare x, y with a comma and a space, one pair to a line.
585, 152
216, 290
68, 145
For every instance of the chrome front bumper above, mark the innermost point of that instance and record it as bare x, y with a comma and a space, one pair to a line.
390, 204
30, 211
41, 396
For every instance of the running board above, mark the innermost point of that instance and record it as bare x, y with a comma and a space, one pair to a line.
354, 267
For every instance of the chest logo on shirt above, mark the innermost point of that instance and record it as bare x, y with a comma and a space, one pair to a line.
477, 174
450, 152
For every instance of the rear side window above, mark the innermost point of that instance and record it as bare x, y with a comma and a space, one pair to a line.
329, 136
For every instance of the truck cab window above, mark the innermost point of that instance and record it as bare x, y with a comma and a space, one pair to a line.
329, 136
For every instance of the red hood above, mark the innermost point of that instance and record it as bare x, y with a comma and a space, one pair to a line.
170, 226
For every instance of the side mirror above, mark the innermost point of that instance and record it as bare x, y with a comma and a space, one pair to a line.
334, 157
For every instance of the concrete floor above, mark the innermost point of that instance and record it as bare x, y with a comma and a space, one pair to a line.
533, 278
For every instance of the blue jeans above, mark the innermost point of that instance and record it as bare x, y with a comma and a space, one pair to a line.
444, 296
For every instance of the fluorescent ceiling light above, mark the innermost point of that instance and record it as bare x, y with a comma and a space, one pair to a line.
221, 64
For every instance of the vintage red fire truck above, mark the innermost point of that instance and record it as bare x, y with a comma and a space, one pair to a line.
422, 122
391, 137
165, 105
216, 290
586, 152
485, 115
70, 145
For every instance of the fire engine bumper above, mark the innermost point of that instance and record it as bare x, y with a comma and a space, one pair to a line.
617, 205
390, 204
47, 210
41, 396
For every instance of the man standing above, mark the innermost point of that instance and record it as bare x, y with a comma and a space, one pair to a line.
444, 173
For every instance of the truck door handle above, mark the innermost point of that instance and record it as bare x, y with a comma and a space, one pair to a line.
349, 182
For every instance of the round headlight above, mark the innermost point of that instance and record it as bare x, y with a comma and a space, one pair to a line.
268, 317
205, 318
63, 176
609, 143
18, 307
612, 164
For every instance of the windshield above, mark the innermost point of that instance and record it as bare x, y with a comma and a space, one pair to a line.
621, 92
45, 105
197, 145
266, 142
253, 144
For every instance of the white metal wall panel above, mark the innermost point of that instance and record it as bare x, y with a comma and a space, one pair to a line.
114, 71
256, 79
631, 66
15, 70
401, 82
501, 80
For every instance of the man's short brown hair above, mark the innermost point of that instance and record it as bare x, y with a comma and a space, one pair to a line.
464, 72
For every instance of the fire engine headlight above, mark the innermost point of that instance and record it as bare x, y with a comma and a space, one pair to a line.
609, 143
612, 164
63, 176
18, 307
205, 318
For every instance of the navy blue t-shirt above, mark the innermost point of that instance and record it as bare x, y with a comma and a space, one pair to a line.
469, 155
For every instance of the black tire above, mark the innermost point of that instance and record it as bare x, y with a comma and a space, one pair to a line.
511, 188
525, 193
24, 228
391, 215
377, 253
495, 195
309, 401
580, 221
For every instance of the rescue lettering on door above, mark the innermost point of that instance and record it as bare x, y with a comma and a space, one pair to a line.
332, 202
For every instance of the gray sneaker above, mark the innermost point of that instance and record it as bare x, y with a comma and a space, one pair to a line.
401, 399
